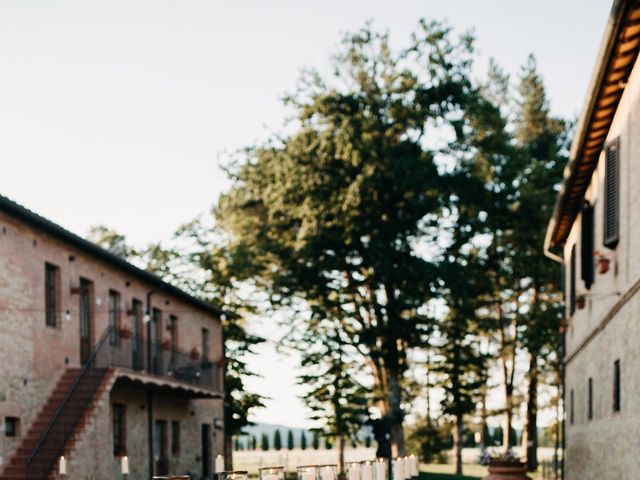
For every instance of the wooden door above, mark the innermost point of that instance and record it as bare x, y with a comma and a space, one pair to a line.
206, 450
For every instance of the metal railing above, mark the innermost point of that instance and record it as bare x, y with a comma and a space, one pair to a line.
52, 441
115, 348
159, 359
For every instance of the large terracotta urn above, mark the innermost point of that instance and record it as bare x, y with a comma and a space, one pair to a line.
506, 470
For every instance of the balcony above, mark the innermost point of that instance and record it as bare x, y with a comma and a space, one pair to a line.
150, 363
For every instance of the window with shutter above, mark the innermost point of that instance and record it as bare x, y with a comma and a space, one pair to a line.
611, 195
586, 246
572, 281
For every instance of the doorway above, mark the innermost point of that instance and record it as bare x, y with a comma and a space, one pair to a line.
206, 450
160, 448
86, 319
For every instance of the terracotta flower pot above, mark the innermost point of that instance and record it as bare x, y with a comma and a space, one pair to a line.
506, 470
125, 333
603, 265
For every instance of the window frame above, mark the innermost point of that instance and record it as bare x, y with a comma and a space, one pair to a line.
119, 427
175, 438
51, 294
590, 398
114, 316
617, 386
15, 430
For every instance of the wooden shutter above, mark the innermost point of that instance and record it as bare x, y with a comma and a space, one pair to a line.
572, 280
611, 195
586, 245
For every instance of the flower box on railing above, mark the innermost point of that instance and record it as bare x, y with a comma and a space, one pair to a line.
125, 332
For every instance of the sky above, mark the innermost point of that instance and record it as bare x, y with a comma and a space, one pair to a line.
121, 112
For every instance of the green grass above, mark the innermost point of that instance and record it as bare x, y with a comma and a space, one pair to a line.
446, 472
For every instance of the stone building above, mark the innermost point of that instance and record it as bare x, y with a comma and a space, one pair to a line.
101, 363
595, 233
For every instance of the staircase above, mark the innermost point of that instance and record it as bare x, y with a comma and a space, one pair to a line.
59, 422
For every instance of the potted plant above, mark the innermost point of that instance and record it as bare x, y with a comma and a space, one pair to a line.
195, 354
602, 261
506, 467
581, 301
165, 344
124, 332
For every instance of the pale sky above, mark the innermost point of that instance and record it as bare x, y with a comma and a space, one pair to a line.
119, 112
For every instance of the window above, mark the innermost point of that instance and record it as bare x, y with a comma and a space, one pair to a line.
586, 246
11, 426
572, 407
51, 293
173, 331
611, 195
114, 317
205, 344
590, 399
572, 280
119, 430
175, 438
616, 386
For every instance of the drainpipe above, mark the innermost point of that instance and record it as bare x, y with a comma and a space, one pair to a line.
563, 349
149, 394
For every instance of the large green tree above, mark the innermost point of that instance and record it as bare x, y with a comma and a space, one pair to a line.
338, 216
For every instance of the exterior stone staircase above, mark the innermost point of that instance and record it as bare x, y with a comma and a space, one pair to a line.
58, 425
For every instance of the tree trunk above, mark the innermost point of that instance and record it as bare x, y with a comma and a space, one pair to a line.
506, 434
341, 456
457, 443
395, 412
532, 414
228, 452
483, 421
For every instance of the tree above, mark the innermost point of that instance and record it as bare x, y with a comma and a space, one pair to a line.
254, 442
264, 443
277, 440
315, 442
334, 395
367, 441
332, 215
303, 440
290, 441
112, 241
542, 140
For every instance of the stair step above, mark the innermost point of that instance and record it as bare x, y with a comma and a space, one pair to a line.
80, 404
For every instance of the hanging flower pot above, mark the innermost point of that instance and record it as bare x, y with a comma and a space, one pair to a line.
603, 264
125, 332
195, 354
602, 261
581, 302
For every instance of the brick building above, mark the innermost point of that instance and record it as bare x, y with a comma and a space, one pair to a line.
596, 230
100, 360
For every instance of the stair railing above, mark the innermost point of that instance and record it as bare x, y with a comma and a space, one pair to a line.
51, 444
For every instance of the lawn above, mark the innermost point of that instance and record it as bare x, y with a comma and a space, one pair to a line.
446, 472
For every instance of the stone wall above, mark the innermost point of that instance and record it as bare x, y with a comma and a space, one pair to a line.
93, 457
607, 329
